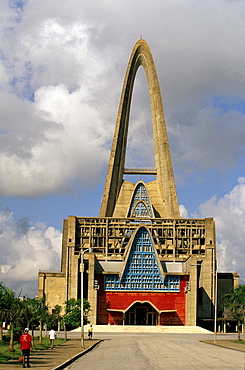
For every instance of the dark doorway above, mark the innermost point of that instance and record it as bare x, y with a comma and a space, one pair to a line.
141, 314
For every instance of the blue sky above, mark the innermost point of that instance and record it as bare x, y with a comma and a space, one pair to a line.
62, 66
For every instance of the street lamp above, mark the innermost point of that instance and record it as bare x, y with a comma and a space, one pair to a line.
82, 252
215, 274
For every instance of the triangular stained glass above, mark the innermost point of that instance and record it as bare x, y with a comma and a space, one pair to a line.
141, 271
140, 205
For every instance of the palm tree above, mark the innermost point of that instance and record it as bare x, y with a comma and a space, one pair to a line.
40, 312
14, 313
234, 304
4, 305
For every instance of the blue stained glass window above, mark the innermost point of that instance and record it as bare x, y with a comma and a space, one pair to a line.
142, 271
140, 206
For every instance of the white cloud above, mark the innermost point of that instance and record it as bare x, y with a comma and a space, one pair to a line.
229, 215
62, 66
25, 249
62, 69
183, 211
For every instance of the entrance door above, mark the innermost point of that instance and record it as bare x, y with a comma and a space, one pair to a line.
152, 318
141, 314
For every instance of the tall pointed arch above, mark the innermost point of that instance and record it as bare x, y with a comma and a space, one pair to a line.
141, 56
140, 205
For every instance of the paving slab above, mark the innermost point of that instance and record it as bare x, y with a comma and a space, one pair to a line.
53, 358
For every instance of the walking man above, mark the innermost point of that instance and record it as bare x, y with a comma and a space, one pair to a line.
52, 337
26, 347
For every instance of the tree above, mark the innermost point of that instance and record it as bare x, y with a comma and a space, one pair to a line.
20, 313
41, 313
38, 314
53, 319
14, 310
14, 313
5, 302
31, 314
234, 304
57, 313
72, 317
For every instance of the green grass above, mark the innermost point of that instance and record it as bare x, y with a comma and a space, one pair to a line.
6, 354
239, 341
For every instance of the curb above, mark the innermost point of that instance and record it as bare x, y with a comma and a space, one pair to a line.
232, 347
74, 358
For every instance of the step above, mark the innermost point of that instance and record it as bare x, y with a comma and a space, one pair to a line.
143, 329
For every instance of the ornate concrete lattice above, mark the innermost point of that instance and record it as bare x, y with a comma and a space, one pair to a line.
140, 205
142, 271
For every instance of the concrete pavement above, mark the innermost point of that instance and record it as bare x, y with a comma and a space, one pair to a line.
64, 354
54, 358
154, 351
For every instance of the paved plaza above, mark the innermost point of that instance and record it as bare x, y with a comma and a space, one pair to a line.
141, 351
163, 351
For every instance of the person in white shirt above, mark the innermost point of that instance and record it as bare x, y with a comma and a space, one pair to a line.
52, 337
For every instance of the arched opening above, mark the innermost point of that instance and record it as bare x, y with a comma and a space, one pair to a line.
141, 56
140, 204
141, 313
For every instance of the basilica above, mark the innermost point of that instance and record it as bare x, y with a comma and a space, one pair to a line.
139, 262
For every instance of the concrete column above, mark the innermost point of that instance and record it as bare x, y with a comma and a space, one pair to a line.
191, 298
207, 282
92, 293
73, 272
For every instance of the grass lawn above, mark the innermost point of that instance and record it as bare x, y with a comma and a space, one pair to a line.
6, 354
239, 341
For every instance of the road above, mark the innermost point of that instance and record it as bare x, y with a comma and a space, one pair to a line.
159, 351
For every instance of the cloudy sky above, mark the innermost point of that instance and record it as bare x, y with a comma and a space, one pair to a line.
62, 66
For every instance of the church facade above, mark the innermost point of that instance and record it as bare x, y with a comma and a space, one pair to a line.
143, 264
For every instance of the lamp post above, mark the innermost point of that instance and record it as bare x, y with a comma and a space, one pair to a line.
82, 252
215, 275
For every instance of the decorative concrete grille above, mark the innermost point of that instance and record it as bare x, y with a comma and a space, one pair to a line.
142, 271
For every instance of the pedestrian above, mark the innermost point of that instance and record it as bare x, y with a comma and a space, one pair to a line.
26, 347
52, 337
90, 332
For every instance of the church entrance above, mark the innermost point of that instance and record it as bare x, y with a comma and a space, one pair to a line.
141, 314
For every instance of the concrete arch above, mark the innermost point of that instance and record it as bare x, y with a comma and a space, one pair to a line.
132, 198
141, 56
142, 302
130, 244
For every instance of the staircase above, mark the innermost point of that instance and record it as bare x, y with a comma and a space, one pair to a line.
145, 329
